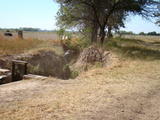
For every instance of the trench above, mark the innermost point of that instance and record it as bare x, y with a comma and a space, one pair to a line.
49, 64
44, 63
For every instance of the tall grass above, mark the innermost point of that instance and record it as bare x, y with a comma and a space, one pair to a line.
15, 45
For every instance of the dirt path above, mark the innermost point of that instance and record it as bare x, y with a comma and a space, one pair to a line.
136, 106
130, 91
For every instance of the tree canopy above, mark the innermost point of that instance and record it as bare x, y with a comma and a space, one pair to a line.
101, 16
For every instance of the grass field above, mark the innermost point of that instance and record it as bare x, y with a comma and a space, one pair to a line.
127, 90
145, 49
143, 37
130, 90
36, 35
31, 41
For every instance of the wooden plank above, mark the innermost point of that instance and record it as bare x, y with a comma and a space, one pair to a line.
2, 77
4, 71
32, 76
15, 69
19, 62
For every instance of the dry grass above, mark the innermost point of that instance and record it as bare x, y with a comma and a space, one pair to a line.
97, 94
135, 48
36, 35
146, 38
41, 35
127, 91
13, 45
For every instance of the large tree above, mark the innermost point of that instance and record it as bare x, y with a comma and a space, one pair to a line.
158, 19
99, 15
158, 15
116, 21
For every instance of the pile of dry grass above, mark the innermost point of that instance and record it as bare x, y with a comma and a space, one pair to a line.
93, 56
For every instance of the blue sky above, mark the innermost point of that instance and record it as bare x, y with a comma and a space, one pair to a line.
41, 14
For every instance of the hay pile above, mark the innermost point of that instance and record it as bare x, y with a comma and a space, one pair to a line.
92, 56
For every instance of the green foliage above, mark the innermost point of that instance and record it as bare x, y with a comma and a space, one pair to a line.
153, 33
76, 44
61, 32
30, 29
35, 69
125, 33
98, 64
150, 33
100, 14
141, 33
74, 74
157, 15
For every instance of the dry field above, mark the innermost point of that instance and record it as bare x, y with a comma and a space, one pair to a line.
41, 35
32, 41
127, 90
144, 38
36, 35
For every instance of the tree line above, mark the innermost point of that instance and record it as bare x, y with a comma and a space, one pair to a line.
150, 33
27, 29
154, 33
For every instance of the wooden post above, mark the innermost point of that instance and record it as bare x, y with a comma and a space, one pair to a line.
20, 34
25, 68
17, 72
13, 71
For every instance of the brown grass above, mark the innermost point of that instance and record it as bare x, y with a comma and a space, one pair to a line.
100, 93
13, 45
145, 38
135, 48
41, 35
128, 91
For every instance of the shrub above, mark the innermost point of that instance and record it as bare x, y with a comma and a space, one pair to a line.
74, 74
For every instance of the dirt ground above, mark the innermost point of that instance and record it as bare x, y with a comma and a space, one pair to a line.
129, 91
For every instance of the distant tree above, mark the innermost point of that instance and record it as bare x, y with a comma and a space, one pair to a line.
157, 15
158, 20
96, 14
142, 33
61, 32
30, 29
126, 32
115, 22
153, 33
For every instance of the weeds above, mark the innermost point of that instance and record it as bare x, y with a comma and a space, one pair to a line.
74, 74
15, 45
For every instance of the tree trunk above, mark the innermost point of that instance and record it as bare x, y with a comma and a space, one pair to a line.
102, 35
109, 33
94, 33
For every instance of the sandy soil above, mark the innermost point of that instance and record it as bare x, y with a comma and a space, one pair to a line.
129, 91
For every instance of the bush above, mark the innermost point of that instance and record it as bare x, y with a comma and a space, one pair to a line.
74, 74
75, 43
